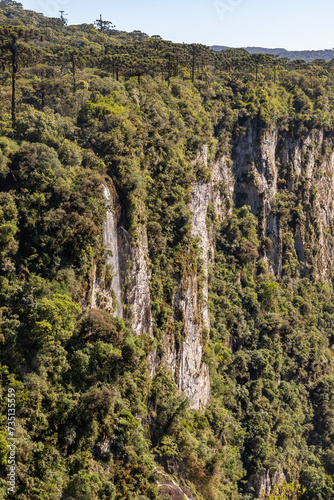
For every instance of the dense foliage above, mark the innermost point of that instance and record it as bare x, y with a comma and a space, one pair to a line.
79, 104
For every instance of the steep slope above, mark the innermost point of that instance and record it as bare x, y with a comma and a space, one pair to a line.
166, 278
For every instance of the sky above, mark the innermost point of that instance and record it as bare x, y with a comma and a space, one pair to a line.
289, 24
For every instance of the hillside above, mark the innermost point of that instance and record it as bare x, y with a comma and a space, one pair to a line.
166, 268
292, 55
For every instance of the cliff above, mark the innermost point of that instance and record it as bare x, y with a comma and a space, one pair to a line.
271, 172
263, 165
166, 277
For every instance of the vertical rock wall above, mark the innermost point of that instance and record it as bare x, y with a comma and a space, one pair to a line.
199, 205
255, 183
110, 241
311, 163
128, 261
103, 297
249, 176
135, 279
136, 276
193, 374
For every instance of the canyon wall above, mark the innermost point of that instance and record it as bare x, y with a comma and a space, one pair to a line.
263, 164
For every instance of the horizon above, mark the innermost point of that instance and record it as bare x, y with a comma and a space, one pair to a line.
232, 23
269, 48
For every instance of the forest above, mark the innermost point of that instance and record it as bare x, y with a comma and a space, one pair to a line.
86, 106
292, 55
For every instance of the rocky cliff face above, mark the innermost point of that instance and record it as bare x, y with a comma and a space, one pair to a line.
267, 166
253, 174
312, 182
128, 262
264, 484
109, 297
255, 183
191, 373
136, 279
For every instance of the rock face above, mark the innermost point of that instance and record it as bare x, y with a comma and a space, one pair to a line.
263, 164
185, 360
129, 265
267, 164
111, 243
264, 484
193, 375
103, 297
255, 183
199, 206
170, 489
136, 279
255, 170
312, 173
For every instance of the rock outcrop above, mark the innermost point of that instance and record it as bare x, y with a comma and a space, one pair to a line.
263, 484
139, 297
103, 296
128, 262
135, 279
268, 163
191, 374
253, 174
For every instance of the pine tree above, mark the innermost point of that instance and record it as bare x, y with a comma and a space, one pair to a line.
103, 25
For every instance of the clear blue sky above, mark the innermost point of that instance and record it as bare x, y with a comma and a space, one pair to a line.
291, 24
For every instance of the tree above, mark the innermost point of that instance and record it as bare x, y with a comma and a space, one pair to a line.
62, 17
103, 25
10, 37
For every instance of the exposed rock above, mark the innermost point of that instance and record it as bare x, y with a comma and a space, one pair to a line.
199, 206
256, 173
111, 243
103, 297
264, 483
193, 374
135, 276
258, 156
139, 294
105, 447
254, 169
101, 450
315, 227
129, 264
222, 187
171, 489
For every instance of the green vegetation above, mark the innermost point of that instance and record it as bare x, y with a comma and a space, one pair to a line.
293, 55
79, 104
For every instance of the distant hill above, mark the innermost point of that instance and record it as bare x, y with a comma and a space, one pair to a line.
293, 55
